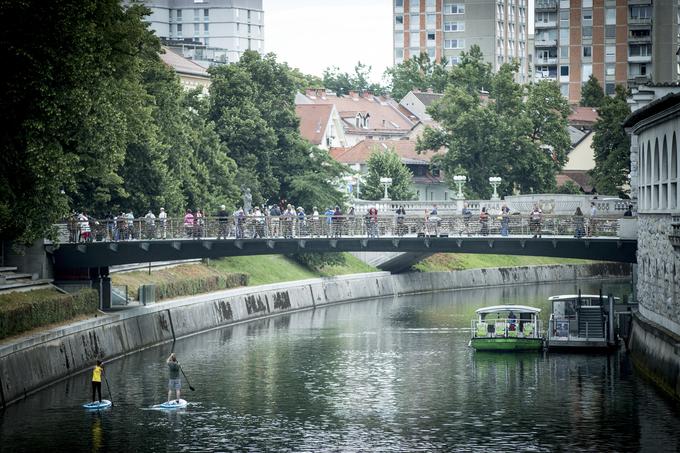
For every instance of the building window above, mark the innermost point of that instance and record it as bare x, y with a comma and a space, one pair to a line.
430, 19
587, 4
610, 31
430, 37
206, 28
399, 22
587, 32
564, 52
564, 19
610, 54
454, 43
640, 50
609, 69
414, 40
179, 30
610, 16
431, 53
564, 71
640, 12
454, 26
454, 60
196, 29
587, 18
179, 15
564, 36
414, 6
564, 89
454, 9
586, 72
399, 53
414, 20
399, 39
609, 89
399, 5
430, 5
587, 51
197, 15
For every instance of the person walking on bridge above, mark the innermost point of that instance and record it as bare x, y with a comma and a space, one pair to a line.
223, 222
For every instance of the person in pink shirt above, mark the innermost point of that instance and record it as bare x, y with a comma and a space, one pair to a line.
189, 223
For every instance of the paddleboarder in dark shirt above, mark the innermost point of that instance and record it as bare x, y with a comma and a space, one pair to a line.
175, 383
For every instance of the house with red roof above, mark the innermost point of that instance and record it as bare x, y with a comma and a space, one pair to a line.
428, 182
321, 125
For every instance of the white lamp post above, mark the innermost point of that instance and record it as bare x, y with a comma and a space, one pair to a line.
387, 182
459, 180
495, 182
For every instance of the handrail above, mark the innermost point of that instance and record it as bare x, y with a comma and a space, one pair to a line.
382, 225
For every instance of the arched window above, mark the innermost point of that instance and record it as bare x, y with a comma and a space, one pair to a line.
655, 168
648, 172
674, 182
674, 158
664, 160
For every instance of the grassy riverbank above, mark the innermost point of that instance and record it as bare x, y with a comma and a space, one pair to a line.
444, 262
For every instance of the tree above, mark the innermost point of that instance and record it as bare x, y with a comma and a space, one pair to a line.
342, 82
569, 187
252, 104
417, 73
68, 107
611, 145
387, 164
522, 141
591, 93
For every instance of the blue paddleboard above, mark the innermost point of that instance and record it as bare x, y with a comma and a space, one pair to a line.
103, 404
174, 404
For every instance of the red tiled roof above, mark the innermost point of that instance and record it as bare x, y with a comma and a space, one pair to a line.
384, 114
583, 116
579, 177
182, 65
359, 153
313, 120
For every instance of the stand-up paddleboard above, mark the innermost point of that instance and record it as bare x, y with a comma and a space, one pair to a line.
173, 404
103, 404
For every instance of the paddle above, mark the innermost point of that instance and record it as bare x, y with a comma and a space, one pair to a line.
185, 377
109, 389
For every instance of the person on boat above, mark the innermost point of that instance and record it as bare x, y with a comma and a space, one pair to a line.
512, 320
97, 380
175, 383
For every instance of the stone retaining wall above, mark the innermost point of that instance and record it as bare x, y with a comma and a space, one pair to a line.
31, 363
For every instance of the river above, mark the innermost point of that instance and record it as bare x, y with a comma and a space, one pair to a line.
384, 375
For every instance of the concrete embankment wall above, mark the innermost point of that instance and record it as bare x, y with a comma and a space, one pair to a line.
656, 353
32, 363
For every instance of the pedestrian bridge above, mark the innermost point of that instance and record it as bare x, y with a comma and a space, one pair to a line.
411, 237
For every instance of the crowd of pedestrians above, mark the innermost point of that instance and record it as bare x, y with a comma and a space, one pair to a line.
288, 221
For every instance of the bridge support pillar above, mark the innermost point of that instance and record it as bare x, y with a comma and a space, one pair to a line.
101, 281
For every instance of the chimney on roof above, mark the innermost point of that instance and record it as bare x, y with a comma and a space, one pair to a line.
353, 94
310, 93
366, 94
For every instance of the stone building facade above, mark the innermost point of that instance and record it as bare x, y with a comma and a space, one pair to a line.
655, 182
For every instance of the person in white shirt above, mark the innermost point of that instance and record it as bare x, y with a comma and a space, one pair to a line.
163, 217
150, 219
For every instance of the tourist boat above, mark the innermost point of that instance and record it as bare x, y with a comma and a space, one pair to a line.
506, 328
581, 322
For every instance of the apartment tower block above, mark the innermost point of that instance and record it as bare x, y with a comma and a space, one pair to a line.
627, 42
445, 28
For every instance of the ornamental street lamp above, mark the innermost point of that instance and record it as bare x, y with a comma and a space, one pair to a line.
459, 180
387, 182
495, 182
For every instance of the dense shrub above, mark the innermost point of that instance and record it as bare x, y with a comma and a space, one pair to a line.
22, 311
190, 286
316, 261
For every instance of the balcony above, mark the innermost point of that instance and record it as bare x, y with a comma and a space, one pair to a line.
551, 61
545, 5
545, 43
639, 21
639, 2
639, 39
546, 24
640, 59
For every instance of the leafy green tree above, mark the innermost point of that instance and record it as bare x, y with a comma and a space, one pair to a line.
569, 187
387, 164
591, 93
252, 104
68, 104
417, 73
516, 135
611, 145
342, 82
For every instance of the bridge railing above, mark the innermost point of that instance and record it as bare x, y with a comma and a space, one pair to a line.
73, 231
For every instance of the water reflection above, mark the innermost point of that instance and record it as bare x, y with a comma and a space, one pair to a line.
384, 375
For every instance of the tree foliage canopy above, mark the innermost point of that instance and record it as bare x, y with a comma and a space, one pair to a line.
611, 145
517, 134
342, 82
387, 164
417, 73
592, 94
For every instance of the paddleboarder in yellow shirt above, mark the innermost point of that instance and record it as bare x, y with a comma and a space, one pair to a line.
97, 380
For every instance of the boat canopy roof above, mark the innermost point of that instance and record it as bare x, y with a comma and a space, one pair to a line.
576, 296
500, 308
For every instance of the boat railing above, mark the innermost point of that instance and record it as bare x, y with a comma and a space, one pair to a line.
567, 329
506, 328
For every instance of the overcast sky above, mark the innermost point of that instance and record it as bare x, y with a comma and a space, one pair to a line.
314, 34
